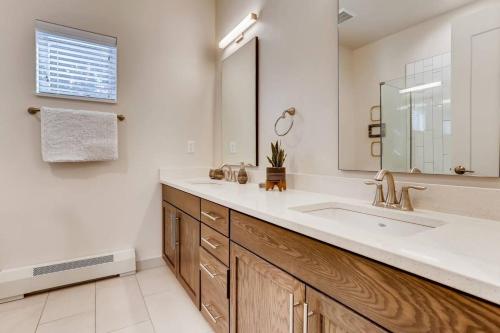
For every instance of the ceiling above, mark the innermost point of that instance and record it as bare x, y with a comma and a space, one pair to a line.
375, 19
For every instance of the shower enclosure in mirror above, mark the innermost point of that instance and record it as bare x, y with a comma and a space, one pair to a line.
239, 105
426, 76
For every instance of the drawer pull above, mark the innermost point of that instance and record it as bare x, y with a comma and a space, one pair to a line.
211, 216
307, 314
214, 318
290, 314
212, 275
174, 221
212, 245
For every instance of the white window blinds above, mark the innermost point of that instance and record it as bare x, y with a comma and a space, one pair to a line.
76, 64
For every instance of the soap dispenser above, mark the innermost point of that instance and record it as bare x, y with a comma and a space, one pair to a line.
242, 174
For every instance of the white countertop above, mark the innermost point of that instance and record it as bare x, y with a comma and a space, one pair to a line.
464, 253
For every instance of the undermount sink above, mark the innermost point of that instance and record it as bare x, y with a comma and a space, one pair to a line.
372, 219
204, 182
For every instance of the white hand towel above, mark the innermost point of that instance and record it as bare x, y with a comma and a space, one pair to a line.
78, 136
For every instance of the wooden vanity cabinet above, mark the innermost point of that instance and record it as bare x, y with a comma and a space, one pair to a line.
214, 265
393, 299
181, 238
264, 298
170, 220
324, 315
188, 272
281, 281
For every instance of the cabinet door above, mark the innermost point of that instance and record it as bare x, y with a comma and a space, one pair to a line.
189, 256
324, 315
263, 298
170, 220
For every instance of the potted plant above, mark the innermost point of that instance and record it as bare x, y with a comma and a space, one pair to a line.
276, 174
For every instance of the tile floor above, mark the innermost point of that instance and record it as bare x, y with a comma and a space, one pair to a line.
152, 301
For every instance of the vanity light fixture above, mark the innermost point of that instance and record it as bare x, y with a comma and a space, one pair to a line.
238, 31
421, 87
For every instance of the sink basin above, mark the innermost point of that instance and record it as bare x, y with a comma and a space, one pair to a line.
372, 219
204, 182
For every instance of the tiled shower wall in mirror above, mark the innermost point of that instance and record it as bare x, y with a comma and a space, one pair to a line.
431, 113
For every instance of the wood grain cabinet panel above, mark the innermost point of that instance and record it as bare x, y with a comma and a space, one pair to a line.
189, 259
328, 316
215, 216
170, 219
263, 297
186, 202
395, 300
214, 296
215, 243
215, 270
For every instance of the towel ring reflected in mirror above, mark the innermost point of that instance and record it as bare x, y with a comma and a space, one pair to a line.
291, 111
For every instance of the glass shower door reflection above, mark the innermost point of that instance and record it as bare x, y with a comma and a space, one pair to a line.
396, 119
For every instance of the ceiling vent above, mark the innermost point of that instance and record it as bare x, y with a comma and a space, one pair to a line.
345, 15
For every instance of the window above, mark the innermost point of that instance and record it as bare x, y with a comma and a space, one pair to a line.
72, 63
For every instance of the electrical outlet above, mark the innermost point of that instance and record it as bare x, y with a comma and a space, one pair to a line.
232, 147
191, 147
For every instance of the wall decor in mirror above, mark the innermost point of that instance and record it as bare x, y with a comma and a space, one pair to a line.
239, 105
427, 73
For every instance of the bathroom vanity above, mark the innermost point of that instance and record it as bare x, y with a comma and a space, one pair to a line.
256, 261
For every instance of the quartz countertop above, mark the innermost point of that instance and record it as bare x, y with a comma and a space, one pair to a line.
463, 253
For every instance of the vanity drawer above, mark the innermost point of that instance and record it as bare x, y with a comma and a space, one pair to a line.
216, 216
214, 270
214, 300
182, 200
215, 243
396, 300
214, 309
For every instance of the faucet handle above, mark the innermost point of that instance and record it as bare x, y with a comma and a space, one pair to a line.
379, 199
405, 200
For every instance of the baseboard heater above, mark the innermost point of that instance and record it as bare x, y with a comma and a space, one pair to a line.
16, 282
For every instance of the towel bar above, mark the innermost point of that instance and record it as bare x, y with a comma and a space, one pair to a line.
35, 110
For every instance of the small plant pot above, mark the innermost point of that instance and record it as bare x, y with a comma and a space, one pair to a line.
275, 177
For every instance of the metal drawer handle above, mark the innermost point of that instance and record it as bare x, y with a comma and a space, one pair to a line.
211, 216
214, 318
174, 221
307, 314
212, 245
205, 268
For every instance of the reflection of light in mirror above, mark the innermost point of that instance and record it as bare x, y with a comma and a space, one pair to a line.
446, 101
418, 121
447, 127
421, 87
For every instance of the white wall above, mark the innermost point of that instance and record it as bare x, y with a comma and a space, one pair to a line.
166, 75
298, 67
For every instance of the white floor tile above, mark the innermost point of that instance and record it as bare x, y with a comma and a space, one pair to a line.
69, 302
119, 304
173, 311
157, 280
145, 327
22, 316
80, 323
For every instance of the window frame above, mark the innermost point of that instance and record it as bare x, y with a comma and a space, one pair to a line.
78, 34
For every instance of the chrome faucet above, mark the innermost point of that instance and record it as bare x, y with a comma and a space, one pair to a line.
391, 200
404, 201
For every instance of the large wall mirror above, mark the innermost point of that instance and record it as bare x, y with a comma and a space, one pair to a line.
420, 86
239, 105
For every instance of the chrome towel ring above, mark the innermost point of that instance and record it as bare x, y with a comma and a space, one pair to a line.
291, 111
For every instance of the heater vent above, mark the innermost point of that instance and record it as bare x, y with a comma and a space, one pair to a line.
345, 15
65, 266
